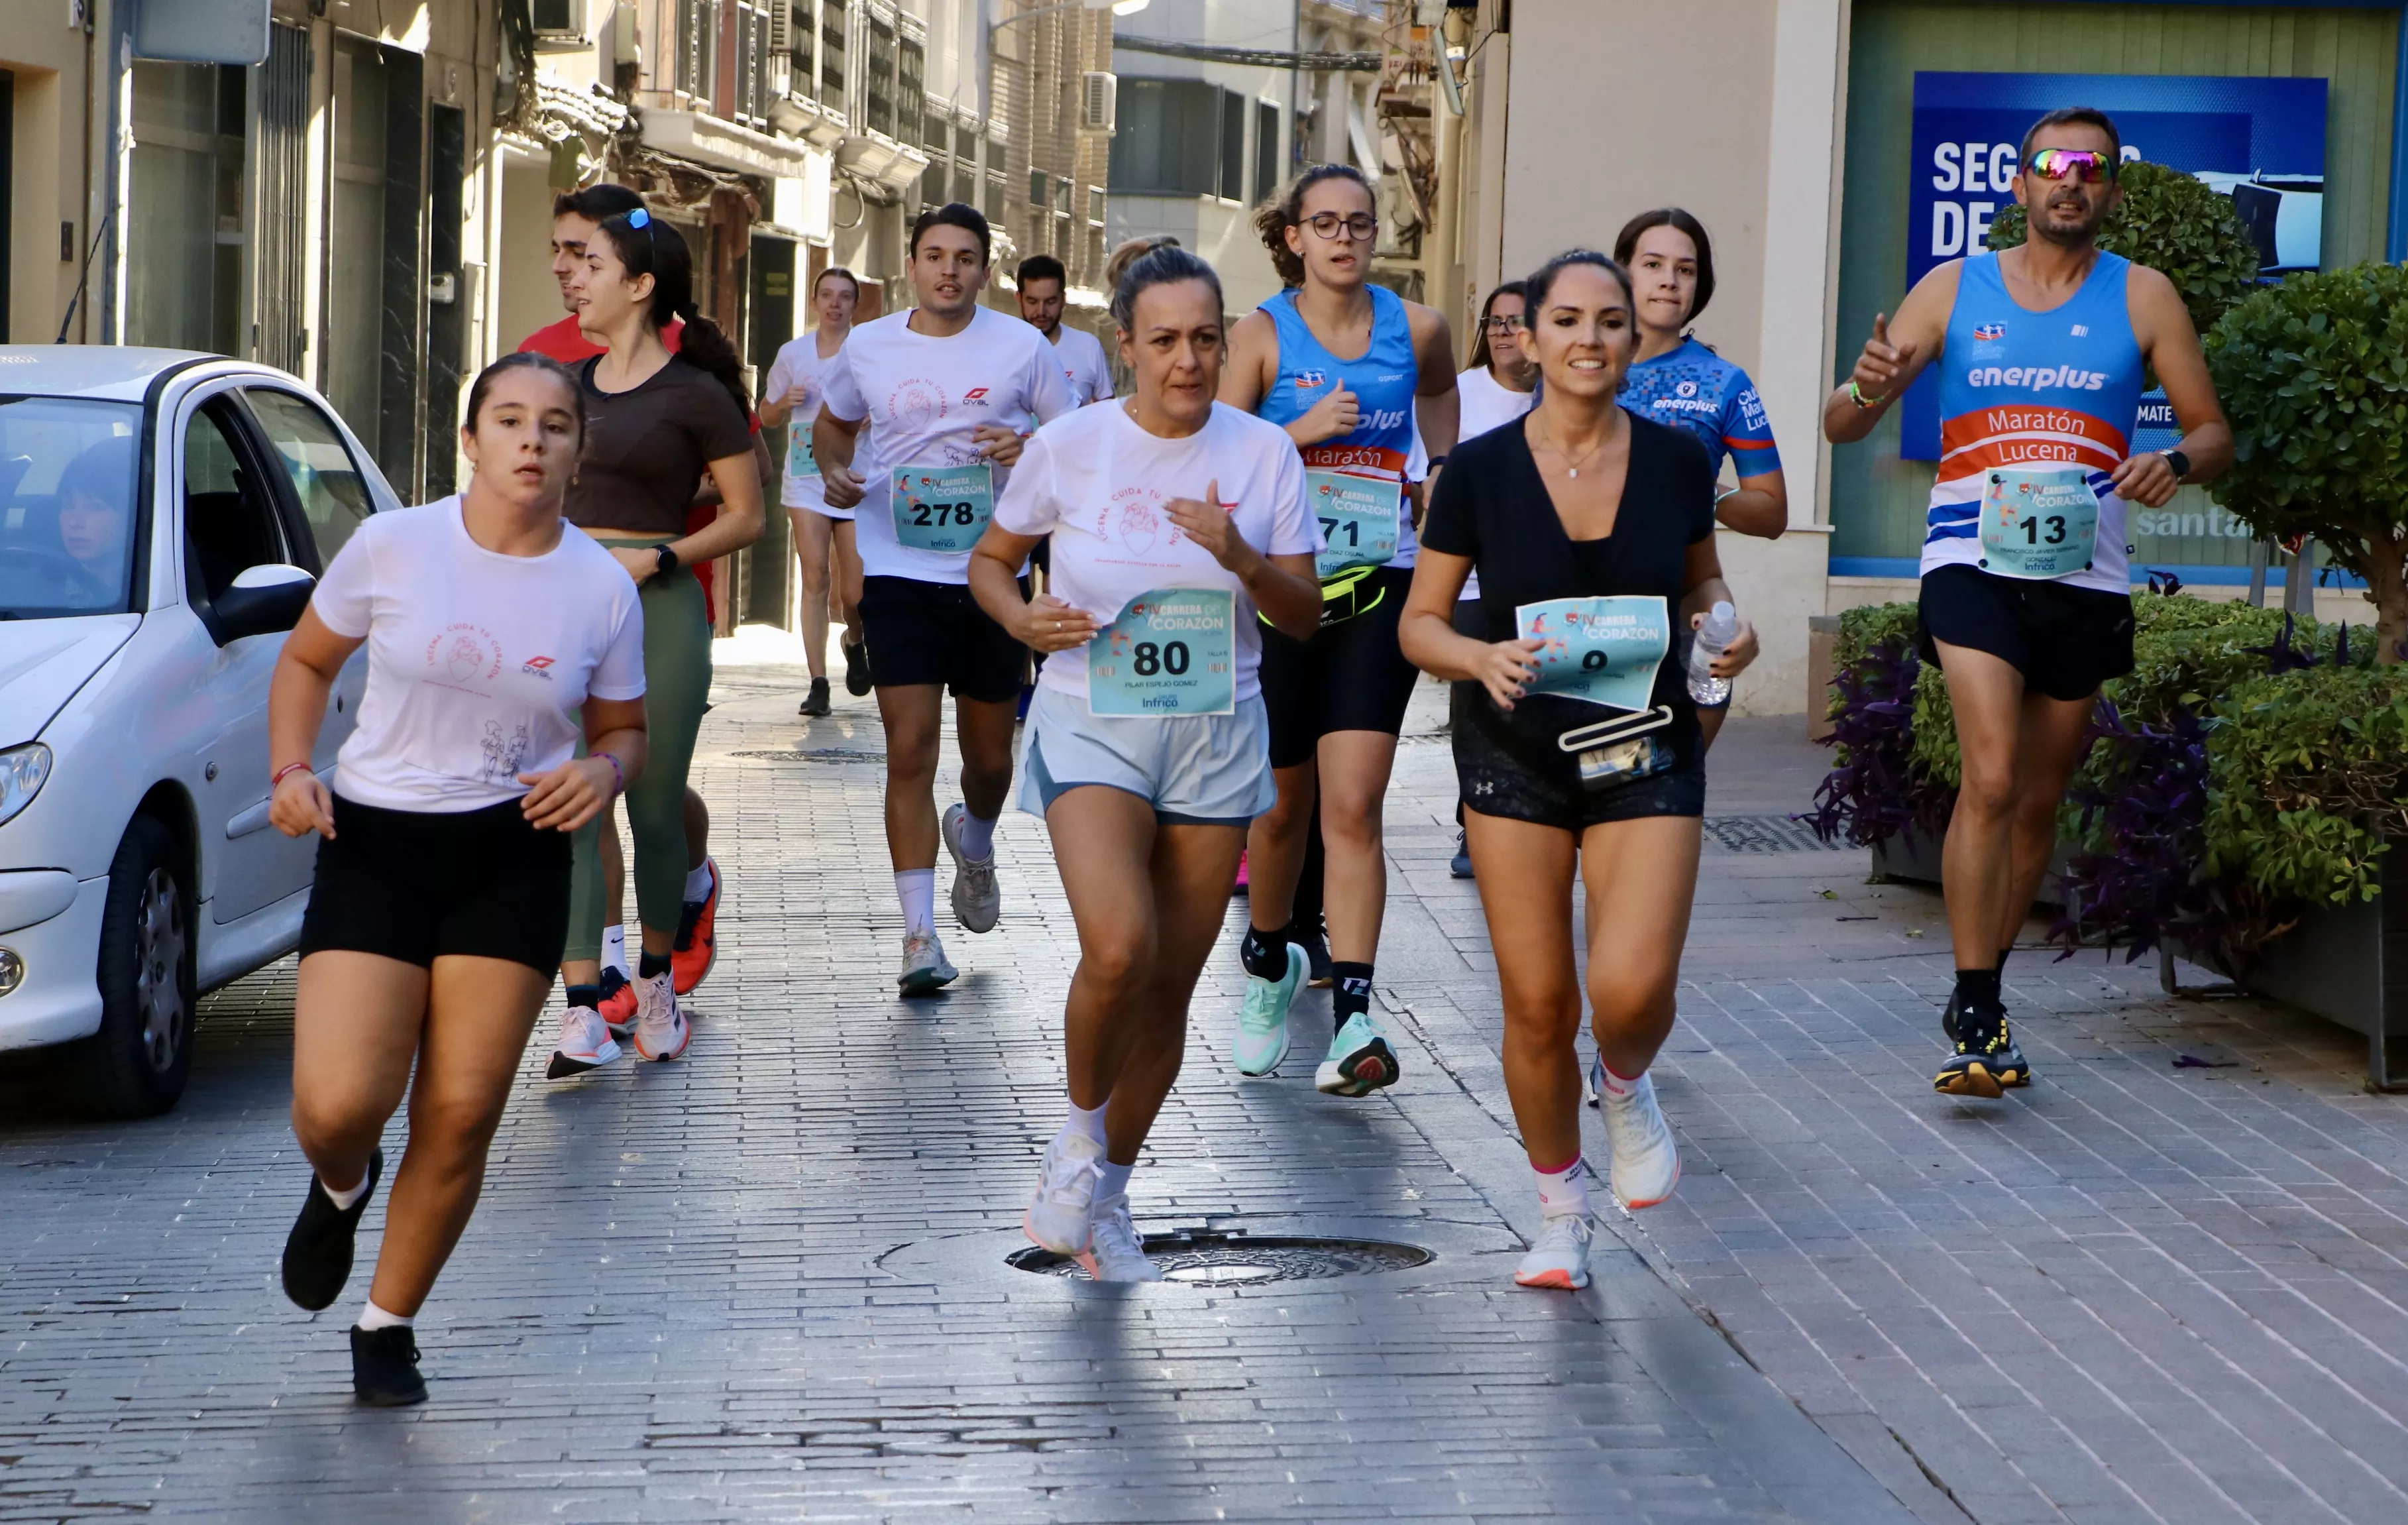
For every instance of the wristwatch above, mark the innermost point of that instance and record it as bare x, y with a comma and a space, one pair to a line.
2180, 462
664, 560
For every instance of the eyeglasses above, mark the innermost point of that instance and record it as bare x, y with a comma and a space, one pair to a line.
1500, 325
2082, 164
1359, 227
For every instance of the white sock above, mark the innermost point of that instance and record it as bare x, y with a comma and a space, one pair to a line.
614, 952
978, 838
373, 1318
698, 882
1615, 1087
344, 1198
1563, 1192
917, 889
1111, 1181
1087, 1121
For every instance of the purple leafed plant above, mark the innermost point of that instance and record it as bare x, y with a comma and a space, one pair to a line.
1876, 790
2148, 805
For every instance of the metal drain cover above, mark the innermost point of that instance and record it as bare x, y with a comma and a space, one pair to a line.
1767, 834
1204, 1258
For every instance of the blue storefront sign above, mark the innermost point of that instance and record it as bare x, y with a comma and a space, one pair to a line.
2260, 141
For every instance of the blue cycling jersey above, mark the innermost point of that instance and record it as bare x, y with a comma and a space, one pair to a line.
1694, 389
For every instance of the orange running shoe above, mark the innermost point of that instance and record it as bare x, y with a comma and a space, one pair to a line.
696, 947
618, 1003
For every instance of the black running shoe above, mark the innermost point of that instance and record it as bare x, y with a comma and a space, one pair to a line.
1314, 941
816, 701
318, 1251
1460, 865
856, 668
384, 1367
1986, 1063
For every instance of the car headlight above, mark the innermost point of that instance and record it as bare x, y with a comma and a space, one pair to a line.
21, 771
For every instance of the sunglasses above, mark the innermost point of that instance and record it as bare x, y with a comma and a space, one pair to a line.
1359, 227
2082, 164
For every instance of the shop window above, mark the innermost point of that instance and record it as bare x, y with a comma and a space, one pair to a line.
184, 235
354, 301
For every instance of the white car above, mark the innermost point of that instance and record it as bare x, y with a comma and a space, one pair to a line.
163, 517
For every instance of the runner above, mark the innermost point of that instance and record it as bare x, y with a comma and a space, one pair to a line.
2028, 609
950, 383
442, 901
1677, 381
1593, 531
658, 422
1148, 747
1496, 391
831, 564
1338, 700
1042, 283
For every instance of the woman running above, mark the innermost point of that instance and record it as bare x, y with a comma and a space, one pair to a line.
1175, 520
1676, 380
1593, 532
656, 423
1348, 369
442, 901
823, 535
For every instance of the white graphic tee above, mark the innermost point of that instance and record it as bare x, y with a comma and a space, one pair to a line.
1084, 365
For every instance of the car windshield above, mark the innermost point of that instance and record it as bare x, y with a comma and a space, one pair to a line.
67, 525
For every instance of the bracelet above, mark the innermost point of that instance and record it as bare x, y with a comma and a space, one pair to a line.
289, 768
617, 772
1856, 396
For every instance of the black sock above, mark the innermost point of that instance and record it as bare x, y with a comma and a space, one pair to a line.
652, 966
2002, 958
588, 996
1977, 988
1265, 958
1350, 991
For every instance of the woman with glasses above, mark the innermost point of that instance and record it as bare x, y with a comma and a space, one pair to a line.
1348, 369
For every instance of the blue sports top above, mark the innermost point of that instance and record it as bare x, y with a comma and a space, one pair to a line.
1382, 379
2020, 388
1694, 389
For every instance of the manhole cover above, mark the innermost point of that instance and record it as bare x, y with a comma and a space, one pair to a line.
1767, 834
815, 755
1204, 1258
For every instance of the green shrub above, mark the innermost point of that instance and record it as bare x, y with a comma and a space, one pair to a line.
2308, 773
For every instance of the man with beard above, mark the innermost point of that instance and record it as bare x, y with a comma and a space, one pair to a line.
2027, 593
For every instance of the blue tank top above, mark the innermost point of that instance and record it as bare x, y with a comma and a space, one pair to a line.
1382, 379
2020, 388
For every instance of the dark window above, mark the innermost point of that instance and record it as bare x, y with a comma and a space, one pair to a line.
993, 208
964, 183
966, 142
932, 181
880, 81
326, 480
802, 47
1037, 184
911, 93
832, 45
184, 242
1267, 174
697, 46
935, 133
1095, 205
1169, 130
1233, 145
230, 519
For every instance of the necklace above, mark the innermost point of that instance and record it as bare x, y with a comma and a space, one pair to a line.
1571, 467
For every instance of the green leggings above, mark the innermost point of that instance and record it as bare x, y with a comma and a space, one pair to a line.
677, 689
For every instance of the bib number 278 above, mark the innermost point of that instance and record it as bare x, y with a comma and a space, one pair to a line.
943, 508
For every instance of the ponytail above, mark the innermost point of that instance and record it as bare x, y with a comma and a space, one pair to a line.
648, 246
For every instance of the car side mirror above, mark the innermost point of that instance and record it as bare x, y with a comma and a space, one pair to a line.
265, 601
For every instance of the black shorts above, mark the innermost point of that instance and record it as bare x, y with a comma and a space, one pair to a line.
936, 633
1496, 778
1351, 676
419, 885
2066, 641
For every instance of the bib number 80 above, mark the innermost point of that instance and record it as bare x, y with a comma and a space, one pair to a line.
1148, 659
938, 515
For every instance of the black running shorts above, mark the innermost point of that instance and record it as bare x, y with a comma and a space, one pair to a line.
1351, 676
420, 886
1498, 779
2065, 640
936, 633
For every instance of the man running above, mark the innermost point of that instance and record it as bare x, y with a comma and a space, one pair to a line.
2026, 594
948, 383
1042, 282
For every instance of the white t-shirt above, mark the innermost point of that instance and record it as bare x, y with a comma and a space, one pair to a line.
922, 396
798, 362
1082, 357
476, 661
1097, 483
1487, 403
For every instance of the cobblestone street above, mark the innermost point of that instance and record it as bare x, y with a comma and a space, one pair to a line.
769, 1281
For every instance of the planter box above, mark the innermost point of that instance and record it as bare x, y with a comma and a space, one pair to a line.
2348, 964
1909, 857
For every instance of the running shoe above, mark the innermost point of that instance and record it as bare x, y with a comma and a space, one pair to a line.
1115, 1252
1558, 1257
1987, 1062
1314, 941
618, 1005
1647, 1161
318, 1251
978, 899
696, 947
816, 701
856, 668
585, 1043
1262, 1021
1240, 887
384, 1367
661, 1030
925, 968
1360, 1060
1058, 1214
1460, 865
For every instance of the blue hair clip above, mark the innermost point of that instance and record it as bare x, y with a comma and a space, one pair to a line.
639, 218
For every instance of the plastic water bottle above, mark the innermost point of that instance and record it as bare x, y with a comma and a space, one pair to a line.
1721, 628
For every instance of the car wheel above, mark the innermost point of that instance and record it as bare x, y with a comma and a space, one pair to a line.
136, 1066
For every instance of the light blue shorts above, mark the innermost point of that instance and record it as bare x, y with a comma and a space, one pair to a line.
1192, 770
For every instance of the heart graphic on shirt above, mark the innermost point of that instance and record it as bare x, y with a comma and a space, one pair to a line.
464, 658
1139, 527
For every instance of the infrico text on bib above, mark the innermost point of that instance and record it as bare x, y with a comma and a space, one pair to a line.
1171, 651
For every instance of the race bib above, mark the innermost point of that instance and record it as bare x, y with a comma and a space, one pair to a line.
1358, 519
942, 508
1171, 651
799, 461
2038, 522
1605, 650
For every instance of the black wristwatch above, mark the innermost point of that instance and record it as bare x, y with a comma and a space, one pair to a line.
2180, 462
664, 560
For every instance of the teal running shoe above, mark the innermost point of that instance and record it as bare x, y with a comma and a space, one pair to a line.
1360, 1060
1262, 1021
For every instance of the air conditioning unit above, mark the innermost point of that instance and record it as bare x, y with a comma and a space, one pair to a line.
1098, 99
558, 24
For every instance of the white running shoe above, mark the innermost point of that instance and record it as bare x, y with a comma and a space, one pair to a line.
925, 968
1115, 1252
1558, 1257
1647, 1161
661, 1032
585, 1043
978, 899
1065, 1195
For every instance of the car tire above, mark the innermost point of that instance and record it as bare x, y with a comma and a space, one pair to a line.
136, 1064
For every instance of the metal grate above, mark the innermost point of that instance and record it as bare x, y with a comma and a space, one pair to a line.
1767, 834
1202, 1258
